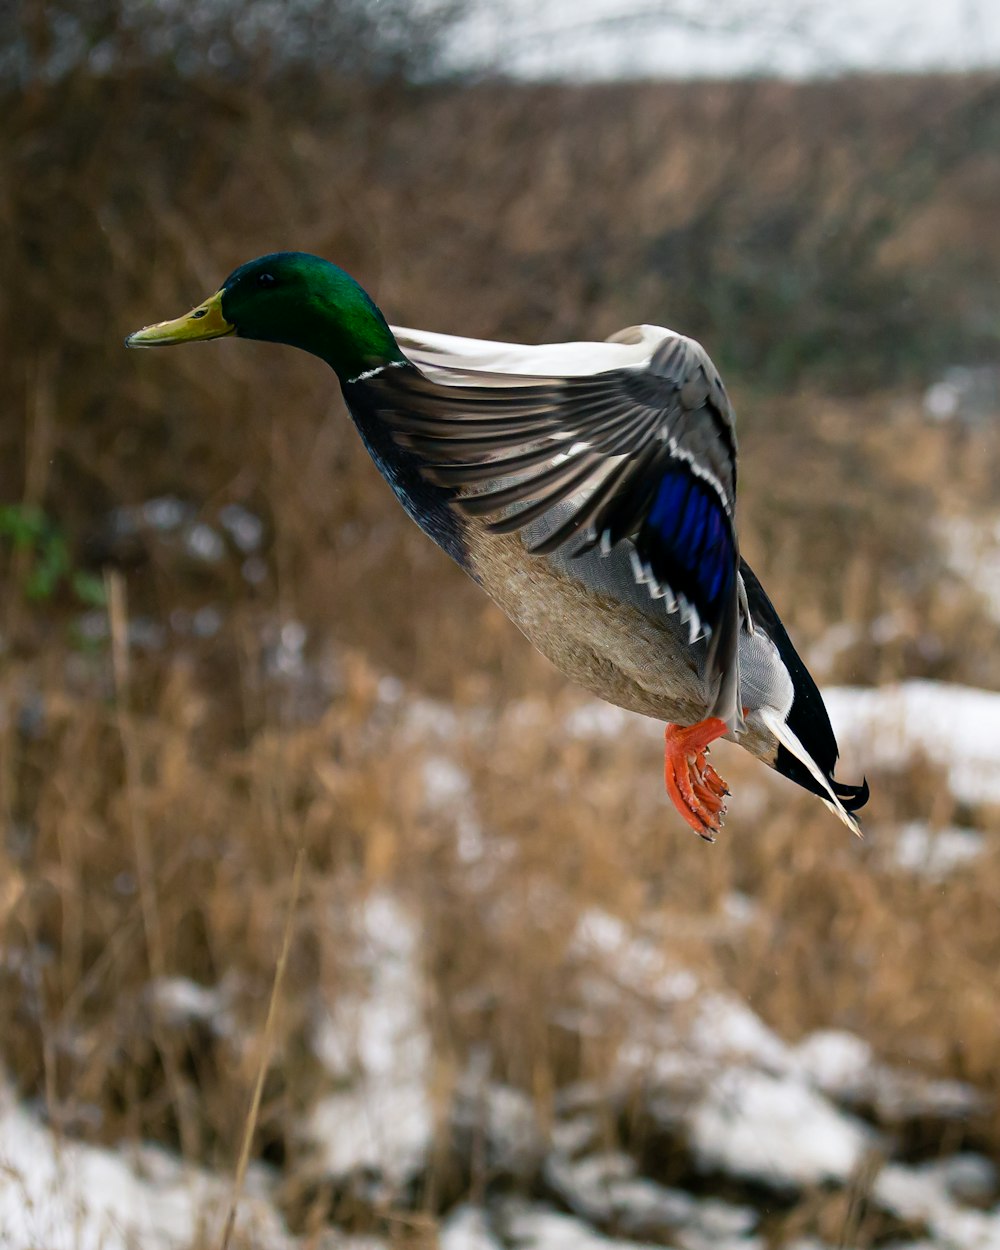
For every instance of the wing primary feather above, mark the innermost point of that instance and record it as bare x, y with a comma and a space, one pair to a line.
469, 473
485, 470
445, 428
435, 448
559, 408
553, 483
451, 436
507, 525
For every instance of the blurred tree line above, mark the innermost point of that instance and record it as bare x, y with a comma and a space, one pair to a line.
249, 41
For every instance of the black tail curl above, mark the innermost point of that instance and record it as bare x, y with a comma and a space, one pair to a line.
852, 797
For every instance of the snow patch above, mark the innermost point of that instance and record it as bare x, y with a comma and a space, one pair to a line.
444, 782
467, 1228
605, 1188
775, 1129
839, 1063
924, 1195
376, 1044
63, 1195
497, 1121
180, 999
537, 1227
936, 854
725, 1029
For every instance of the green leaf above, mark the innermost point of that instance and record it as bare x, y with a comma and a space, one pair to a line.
88, 588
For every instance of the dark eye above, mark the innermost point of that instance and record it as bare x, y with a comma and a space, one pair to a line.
266, 279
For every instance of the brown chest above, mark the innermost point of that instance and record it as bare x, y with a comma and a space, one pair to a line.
608, 647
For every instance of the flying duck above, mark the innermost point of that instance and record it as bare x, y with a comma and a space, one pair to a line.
590, 490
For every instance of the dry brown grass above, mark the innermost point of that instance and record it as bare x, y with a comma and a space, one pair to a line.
151, 827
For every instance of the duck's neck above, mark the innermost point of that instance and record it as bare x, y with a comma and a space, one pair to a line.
353, 338
339, 322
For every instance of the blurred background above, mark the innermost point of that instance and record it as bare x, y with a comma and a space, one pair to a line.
523, 1006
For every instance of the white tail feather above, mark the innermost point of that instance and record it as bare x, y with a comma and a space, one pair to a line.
779, 727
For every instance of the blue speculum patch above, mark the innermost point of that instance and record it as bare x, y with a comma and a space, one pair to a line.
688, 522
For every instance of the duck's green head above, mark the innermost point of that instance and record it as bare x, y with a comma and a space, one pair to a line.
294, 298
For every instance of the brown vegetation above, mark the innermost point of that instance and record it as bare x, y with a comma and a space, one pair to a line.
151, 822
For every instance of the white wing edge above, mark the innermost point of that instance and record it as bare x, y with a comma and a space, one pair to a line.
449, 358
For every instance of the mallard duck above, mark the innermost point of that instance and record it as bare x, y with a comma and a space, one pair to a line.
590, 490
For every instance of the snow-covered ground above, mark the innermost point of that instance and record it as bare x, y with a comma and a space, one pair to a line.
57, 1194
731, 1100
739, 1109
734, 1100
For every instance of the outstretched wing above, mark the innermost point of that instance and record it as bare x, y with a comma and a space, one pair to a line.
644, 454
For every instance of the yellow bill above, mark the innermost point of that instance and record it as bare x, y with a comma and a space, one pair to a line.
204, 322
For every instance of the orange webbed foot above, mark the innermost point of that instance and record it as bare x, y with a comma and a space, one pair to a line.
697, 790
